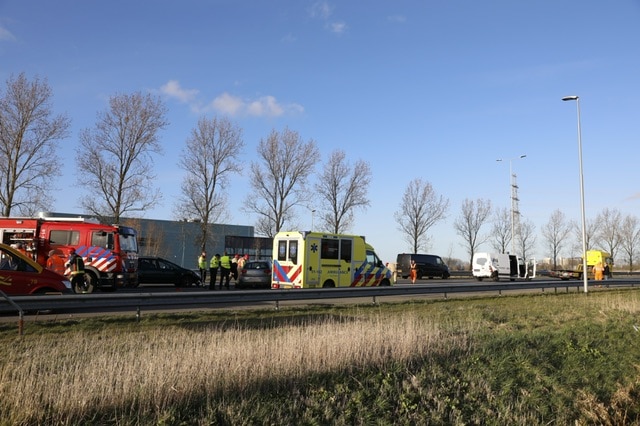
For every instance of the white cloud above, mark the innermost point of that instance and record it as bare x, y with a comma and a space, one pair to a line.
321, 9
5, 34
338, 27
174, 90
265, 106
231, 105
228, 104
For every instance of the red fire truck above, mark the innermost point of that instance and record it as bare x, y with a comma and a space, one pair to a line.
109, 252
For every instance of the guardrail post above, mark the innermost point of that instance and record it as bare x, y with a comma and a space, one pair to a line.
138, 314
374, 300
17, 308
277, 305
21, 324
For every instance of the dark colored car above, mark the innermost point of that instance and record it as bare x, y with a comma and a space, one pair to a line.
155, 270
21, 275
429, 265
255, 274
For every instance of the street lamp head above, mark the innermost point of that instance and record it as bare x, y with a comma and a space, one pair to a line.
522, 156
571, 98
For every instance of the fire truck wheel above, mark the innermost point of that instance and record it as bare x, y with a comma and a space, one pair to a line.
328, 284
82, 283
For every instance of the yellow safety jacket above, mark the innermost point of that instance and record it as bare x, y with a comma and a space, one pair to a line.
225, 262
215, 262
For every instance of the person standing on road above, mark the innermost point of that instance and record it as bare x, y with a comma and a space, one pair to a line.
241, 261
202, 266
75, 265
213, 271
394, 271
55, 262
598, 271
225, 269
414, 271
234, 268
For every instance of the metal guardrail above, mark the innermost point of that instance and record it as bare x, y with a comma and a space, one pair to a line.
17, 309
140, 301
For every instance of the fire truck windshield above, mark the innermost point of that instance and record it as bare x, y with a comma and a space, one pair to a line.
128, 242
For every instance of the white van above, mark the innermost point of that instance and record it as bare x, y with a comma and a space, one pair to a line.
499, 265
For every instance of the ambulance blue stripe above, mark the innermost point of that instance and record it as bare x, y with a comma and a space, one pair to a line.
281, 273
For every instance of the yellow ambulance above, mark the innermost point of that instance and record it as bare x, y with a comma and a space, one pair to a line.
304, 259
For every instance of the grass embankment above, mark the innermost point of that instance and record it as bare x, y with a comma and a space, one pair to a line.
545, 359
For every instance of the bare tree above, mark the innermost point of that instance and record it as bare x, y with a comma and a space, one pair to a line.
28, 145
344, 188
473, 215
527, 237
592, 229
116, 161
609, 222
501, 231
209, 158
279, 183
151, 238
420, 209
555, 232
630, 238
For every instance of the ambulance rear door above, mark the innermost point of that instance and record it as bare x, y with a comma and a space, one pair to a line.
312, 264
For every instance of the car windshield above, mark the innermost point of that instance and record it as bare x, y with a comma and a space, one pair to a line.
257, 265
11, 262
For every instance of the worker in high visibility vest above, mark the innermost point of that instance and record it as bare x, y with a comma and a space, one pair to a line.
75, 265
55, 262
213, 271
225, 270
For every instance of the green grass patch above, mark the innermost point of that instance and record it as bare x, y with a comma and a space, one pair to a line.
542, 359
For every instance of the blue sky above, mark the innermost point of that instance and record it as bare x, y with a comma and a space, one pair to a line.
430, 89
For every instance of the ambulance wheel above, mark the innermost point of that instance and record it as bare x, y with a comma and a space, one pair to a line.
329, 284
385, 283
495, 276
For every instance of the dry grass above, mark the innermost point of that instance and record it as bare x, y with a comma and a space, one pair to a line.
72, 378
140, 373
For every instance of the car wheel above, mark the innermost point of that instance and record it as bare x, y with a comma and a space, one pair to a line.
184, 282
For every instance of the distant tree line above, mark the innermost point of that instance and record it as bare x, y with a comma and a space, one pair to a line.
115, 167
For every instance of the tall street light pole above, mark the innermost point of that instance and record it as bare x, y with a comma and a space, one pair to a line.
584, 226
513, 201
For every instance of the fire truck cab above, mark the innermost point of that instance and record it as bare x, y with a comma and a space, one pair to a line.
319, 260
109, 252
